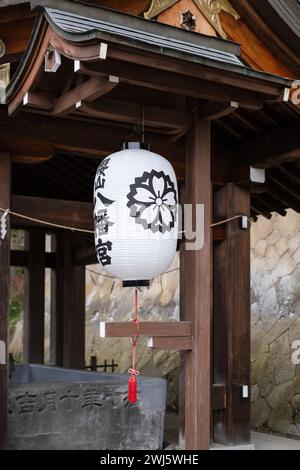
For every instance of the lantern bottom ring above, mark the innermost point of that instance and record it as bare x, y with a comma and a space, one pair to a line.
140, 283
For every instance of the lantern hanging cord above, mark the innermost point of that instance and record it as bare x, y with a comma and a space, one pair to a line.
222, 222
133, 372
76, 229
44, 222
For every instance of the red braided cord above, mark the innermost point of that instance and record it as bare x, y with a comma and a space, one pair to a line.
133, 371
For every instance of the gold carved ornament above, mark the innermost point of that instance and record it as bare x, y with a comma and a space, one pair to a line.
211, 9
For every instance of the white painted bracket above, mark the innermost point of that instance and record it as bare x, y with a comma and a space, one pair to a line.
257, 175
2, 353
150, 342
286, 95
55, 62
245, 391
102, 329
76, 65
244, 222
103, 51
113, 79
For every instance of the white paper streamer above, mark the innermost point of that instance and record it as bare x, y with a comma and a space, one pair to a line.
3, 225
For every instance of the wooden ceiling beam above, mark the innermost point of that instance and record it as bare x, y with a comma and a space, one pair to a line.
122, 111
280, 146
162, 63
86, 91
88, 137
109, 109
285, 186
213, 111
268, 206
260, 210
282, 198
147, 77
39, 100
68, 213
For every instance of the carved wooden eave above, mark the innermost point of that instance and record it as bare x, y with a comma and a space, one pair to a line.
211, 9
157, 7
205, 56
88, 85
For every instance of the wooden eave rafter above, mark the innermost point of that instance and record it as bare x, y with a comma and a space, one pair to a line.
236, 83
91, 61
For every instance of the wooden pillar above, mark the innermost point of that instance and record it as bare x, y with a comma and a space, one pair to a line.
5, 177
34, 312
182, 354
56, 322
232, 317
197, 290
70, 291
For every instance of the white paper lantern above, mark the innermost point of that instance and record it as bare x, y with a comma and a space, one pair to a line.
135, 214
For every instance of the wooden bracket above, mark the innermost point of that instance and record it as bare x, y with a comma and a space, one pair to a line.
52, 60
184, 343
212, 111
88, 91
156, 329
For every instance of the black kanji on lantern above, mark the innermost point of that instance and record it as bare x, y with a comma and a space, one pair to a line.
102, 223
101, 249
100, 176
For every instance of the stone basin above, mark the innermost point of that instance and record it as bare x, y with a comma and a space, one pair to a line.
55, 408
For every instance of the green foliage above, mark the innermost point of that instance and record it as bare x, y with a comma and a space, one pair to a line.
16, 311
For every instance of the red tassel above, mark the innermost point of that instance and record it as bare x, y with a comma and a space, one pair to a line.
132, 390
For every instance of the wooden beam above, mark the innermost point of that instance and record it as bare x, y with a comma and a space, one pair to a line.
169, 343
34, 309
197, 291
147, 77
70, 304
21, 259
272, 149
156, 329
212, 111
80, 136
285, 186
39, 100
5, 177
85, 256
122, 111
231, 320
69, 213
219, 233
86, 91
56, 320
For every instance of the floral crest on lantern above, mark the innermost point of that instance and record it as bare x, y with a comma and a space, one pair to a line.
152, 201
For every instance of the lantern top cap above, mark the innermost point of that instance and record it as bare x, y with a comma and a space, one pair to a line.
135, 146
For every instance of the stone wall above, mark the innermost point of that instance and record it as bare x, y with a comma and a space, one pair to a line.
275, 306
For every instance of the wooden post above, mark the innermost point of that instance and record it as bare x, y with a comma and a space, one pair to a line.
70, 303
197, 290
232, 317
56, 327
34, 311
5, 176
